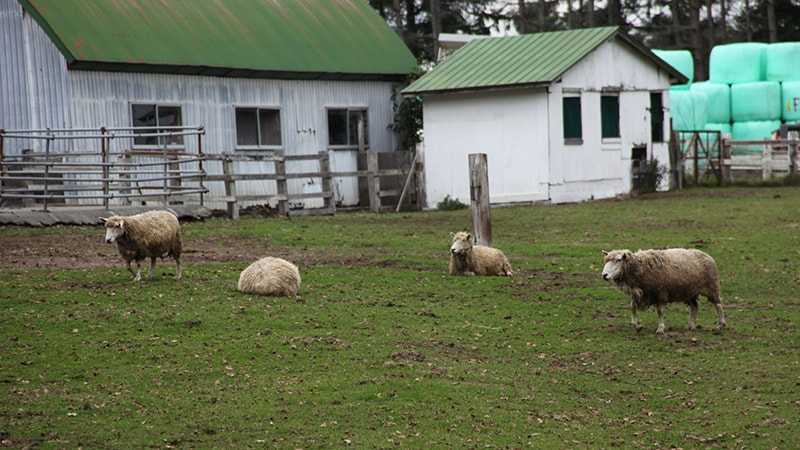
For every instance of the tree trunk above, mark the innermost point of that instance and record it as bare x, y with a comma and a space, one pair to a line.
523, 17
723, 19
569, 14
612, 8
697, 42
436, 26
590, 13
542, 5
749, 28
579, 16
676, 23
771, 23
710, 12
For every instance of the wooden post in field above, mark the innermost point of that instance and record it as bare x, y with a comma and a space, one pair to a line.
766, 162
479, 199
283, 189
230, 189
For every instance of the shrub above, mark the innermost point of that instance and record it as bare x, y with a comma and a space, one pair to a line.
450, 204
651, 174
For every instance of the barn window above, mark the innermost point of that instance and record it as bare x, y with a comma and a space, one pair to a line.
156, 116
573, 126
657, 117
343, 127
258, 127
609, 115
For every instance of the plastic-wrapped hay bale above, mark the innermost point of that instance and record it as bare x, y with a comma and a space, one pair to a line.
756, 101
783, 61
738, 63
752, 131
681, 60
790, 100
719, 100
724, 128
688, 110
680, 87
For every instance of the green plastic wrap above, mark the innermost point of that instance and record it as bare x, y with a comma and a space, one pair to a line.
752, 131
724, 128
688, 110
719, 100
790, 100
681, 60
783, 61
738, 63
680, 87
756, 101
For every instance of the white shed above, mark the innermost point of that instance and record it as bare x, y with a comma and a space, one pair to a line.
561, 115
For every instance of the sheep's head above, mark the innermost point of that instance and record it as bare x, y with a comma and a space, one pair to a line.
614, 264
461, 243
115, 227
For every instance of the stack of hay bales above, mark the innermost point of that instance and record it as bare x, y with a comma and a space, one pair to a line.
752, 89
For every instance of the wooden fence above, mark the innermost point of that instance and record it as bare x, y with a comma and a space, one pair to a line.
172, 175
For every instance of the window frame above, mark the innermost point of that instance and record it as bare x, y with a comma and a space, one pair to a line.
661, 139
611, 139
347, 109
157, 105
258, 147
572, 94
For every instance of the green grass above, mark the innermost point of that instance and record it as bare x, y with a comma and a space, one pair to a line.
382, 349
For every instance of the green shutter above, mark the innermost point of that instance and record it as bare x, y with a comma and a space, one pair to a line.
609, 111
656, 117
573, 128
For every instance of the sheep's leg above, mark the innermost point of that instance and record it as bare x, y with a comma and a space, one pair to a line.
177, 267
138, 276
151, 273
720, 311
635, 316
661, 325
130, 269
693, 307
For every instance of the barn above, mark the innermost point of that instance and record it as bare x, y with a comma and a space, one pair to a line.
562, 116
259, 76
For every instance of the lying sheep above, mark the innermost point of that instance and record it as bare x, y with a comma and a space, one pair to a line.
468, 259
153, 234
658, 277
270, 276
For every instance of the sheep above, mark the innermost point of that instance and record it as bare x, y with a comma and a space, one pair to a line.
153, 234
270, 276
658, 277
468, 259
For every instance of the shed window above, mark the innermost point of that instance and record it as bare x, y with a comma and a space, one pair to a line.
258, 127
609, 115
656, 117
343, 127
573, 126
156, 116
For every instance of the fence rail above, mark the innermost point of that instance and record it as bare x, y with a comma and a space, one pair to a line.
173, 174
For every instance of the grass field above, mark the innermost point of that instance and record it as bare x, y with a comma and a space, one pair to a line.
382, 349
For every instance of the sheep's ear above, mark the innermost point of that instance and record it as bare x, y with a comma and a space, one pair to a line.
605, 253
625, 256
122, 224
469, 236
452, 235
103, 219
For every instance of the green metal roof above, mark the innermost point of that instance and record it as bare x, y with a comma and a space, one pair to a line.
527, 60
283, 38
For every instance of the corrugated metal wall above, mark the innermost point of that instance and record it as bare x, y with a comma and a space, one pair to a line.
38, 91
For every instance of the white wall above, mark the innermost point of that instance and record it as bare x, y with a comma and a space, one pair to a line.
600, 168
509, 126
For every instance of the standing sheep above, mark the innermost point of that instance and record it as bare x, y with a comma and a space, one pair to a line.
468, 259
658, 277
270, 276
153, 234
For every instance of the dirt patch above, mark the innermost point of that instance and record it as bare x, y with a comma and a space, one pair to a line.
82, 252
526, 281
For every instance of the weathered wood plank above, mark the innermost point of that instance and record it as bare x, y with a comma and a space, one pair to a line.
479, 199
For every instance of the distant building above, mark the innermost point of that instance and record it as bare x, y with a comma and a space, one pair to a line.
562, 115
260, 76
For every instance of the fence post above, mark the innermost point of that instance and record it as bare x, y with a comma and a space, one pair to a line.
200, 156
104, 160
47, 168
766, 162
373, 182
2, 162
790, 146
327, 181
419, 177
280, 181
695, 139
230, 189
479, 199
